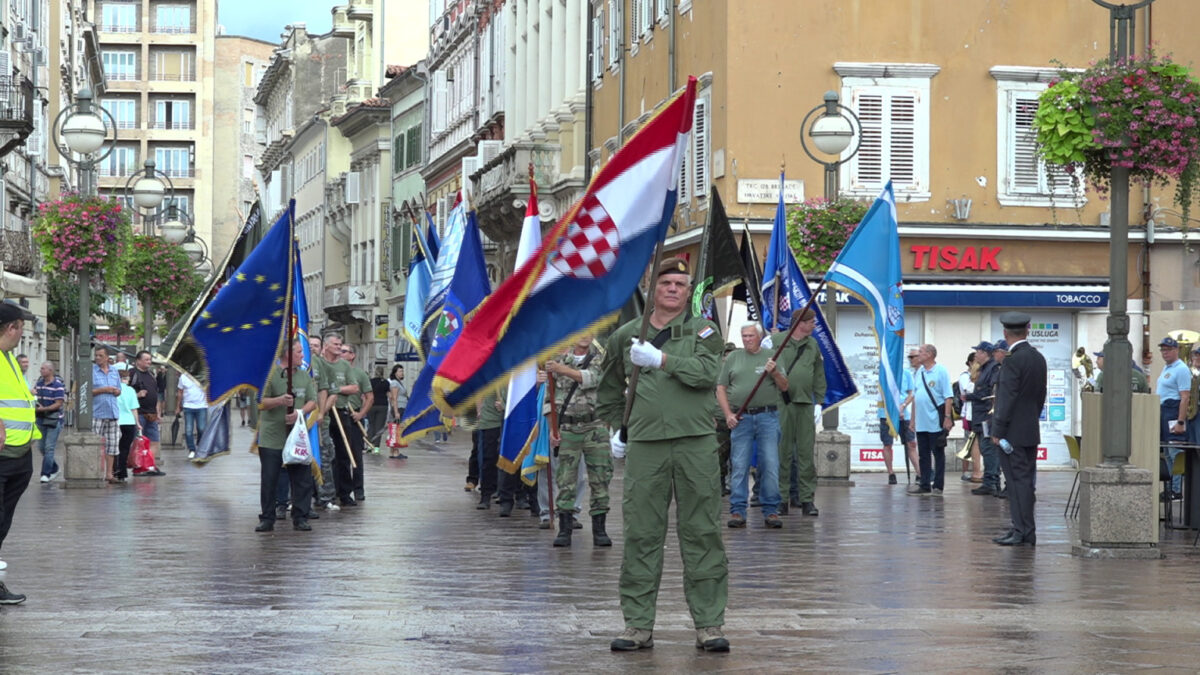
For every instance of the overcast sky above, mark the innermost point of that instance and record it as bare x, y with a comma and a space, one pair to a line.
265, 19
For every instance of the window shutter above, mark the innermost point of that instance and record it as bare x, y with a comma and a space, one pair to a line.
1023, 170
684, 176
664, 10
597, 46
902, 137
635, 26
647, 15
614, 32
868, 163
891, 137
438, 117
700, 145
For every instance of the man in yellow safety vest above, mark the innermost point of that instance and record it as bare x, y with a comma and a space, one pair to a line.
17, 427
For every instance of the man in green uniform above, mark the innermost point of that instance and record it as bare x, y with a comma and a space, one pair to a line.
672, 451
491, 422
1138, 382
274, 425
581, 433
805, 388
359, 404
334, 389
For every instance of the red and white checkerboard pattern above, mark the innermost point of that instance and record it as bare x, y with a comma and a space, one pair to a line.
590, 246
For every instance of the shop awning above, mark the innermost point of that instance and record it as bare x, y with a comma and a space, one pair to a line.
1059, 295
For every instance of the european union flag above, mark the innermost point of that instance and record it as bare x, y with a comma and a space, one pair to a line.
233, 340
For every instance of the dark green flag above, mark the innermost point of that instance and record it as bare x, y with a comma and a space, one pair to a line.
719, 267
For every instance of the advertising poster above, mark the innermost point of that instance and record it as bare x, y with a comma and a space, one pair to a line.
1051, 333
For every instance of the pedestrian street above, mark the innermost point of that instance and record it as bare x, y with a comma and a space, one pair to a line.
167, 575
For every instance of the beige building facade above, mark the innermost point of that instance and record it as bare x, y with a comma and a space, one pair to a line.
945, 93
236, 141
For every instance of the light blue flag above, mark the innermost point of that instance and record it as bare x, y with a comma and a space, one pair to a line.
300, 330
415, 295
785, 290
443, 271
468, 287
869, 269
538, 455
523, 409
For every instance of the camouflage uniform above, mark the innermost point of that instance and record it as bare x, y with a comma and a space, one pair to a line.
583, 434
325, 491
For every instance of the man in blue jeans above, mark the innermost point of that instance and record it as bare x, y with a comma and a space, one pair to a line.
146, 386
759, 422
934, 417
51, 397
192, 402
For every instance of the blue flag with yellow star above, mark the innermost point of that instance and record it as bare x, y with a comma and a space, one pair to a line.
233, 340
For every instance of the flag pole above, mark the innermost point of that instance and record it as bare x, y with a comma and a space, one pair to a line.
633, 377
553, 428
345, 440
289, 313
778, 350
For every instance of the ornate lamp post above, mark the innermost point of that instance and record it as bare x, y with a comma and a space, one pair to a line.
81, 131
832, 132
149, 189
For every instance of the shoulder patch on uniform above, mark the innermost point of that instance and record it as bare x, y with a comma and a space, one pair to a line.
705, 332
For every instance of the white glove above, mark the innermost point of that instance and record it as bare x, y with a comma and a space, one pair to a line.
618, 448
767, 344
645, 355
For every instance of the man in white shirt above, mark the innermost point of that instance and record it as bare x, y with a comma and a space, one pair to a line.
194, 404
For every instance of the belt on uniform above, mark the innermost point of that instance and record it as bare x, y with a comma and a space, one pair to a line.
762, 409
345, 411
577, 419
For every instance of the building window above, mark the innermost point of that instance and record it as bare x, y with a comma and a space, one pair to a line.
118, 18
597, 55
174, 66
175, 162
892, 104
122, 161
248, 121
123, 110
412, 150
615, 23
172, 114
120, 65
179, 203
248, 74
1023, 178
172, 19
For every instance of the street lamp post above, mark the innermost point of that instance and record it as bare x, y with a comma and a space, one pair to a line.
84, 129
832, 132
148, 191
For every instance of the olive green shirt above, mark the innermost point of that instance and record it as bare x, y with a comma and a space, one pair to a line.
806, 374
356, 376
334, 375
490, 417
739, 375
1137, 381
582, 410
273, 429
674, 401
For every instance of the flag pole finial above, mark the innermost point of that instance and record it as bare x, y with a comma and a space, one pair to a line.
531, 171
782, 163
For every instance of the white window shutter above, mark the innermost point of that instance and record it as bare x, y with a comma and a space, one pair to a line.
700, 149
685, 175
635, 26
614, 32
597, 46
438, 116
892, 134
664, 10
1023, 169
352, 187
868, 163
647, 15
902, 136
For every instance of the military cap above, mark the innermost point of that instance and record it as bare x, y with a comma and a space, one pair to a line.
1014, 319
673, 265
10, 311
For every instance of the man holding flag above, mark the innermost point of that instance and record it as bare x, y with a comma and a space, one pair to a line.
672, 449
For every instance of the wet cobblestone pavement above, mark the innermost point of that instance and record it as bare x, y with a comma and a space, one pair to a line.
167, 575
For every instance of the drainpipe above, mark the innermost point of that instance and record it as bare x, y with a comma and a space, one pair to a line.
671, 52
1148, 242
621, 87
587, 97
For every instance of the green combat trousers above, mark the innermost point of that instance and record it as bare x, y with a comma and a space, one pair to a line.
685, 468
797, 434
592, 445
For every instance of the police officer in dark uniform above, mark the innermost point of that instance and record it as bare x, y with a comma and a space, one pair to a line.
1020, 395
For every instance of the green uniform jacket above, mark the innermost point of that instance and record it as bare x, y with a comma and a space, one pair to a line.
272, 427
489, 417
357, 376
806, 379
583, 401
674, 401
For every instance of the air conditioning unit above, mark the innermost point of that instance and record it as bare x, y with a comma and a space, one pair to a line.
19, 31
352, 187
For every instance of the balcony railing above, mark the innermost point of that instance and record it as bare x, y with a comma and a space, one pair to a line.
122, 76
162, 124
173, 77
109, 171
173, 30
127, 124
119, 28
179, 172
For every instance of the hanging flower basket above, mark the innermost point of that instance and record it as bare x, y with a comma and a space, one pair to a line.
1141, 113
161, 272
818, 229
78, 234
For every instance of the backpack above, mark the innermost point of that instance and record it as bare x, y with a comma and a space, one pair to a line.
958, 401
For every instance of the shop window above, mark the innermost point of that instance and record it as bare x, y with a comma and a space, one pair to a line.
892, 105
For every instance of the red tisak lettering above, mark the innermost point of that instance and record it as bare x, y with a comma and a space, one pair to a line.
987, 258
969, 261
949, 258
919, 253
870, 455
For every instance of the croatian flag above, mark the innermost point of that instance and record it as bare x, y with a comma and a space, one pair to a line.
523, 411
869, 269
587, 266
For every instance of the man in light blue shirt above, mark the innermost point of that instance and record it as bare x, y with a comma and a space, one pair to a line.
106, 386
934, 416
1173, 388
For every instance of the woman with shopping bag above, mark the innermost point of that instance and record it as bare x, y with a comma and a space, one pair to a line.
282, 431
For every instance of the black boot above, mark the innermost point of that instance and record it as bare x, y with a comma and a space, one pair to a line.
599, 536
564, 530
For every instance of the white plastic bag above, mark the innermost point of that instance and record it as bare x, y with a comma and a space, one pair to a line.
296, 450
